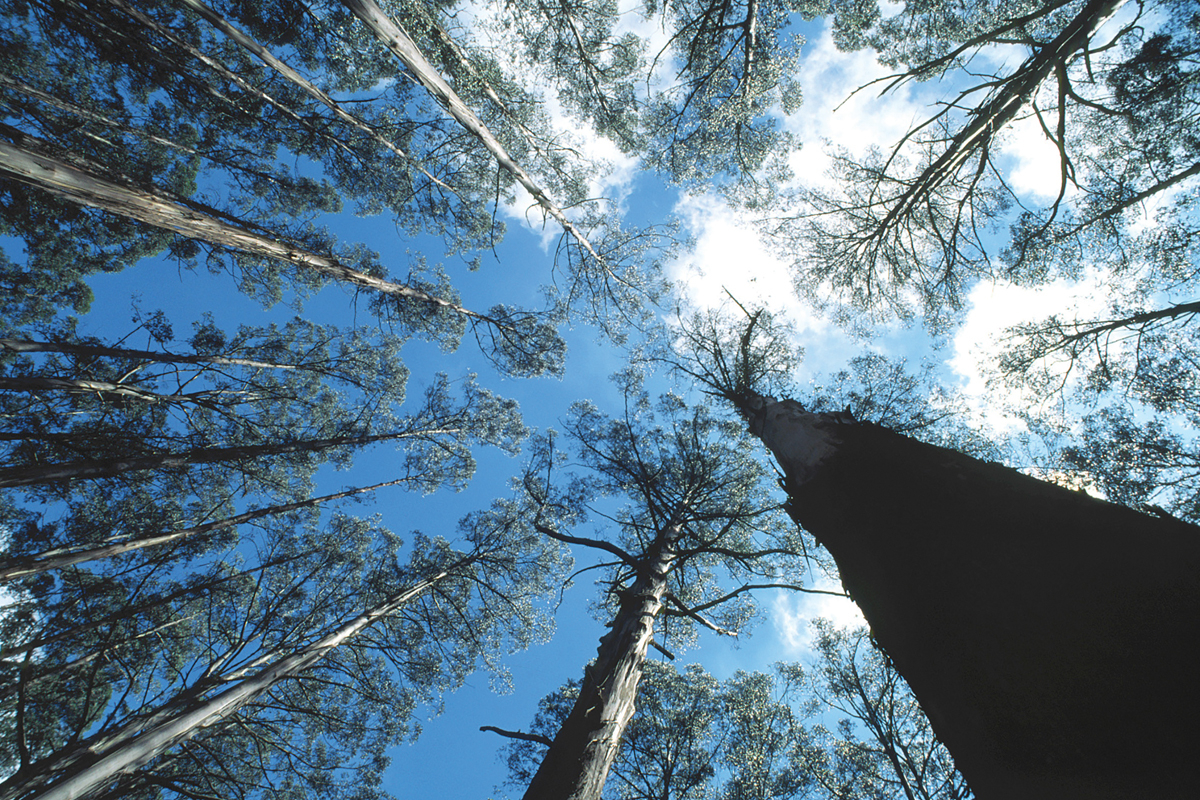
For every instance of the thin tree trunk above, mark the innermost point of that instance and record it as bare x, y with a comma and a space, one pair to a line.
576, 765
265, 55
128, 612
93, 766
1048, 635
80, 185
24, 682
65, 557
62, 105
404, 48
106, 468
229, 75
27, 346
35, 385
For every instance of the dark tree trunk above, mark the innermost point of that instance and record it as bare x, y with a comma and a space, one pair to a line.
1048, 635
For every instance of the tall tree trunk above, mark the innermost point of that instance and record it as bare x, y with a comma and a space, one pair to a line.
66, 557
268, 58
38, 385
404, 48
92, 766
1049, 636
106, 468
577, 762
30, 162
29, 346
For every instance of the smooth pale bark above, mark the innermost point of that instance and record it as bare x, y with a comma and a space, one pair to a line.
108, 467
73, 182
1016, 91
15, 85
1049, 636
60, 558
576, 764
268, 58
404, 48
29, 346
36, 385
92, 767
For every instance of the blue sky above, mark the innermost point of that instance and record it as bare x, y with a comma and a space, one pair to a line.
453, 758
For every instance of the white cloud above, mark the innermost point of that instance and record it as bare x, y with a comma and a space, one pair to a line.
994, 307
831, 116
730, 255
792, 614
1034, 166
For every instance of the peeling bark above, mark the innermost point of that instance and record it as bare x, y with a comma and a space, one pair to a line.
26, 163
1048, 635
577, 763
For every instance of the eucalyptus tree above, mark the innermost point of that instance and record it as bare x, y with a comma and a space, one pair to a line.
700, 109
844, 728
699, 533
912, 226
239, 118
738, 66
974, 577
600, 272
301, 674
694, 737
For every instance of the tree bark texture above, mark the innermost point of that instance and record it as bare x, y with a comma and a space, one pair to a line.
1049, 636
576, 765
29, 165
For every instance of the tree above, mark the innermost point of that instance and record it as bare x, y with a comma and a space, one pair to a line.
699, 516
26, 161
693, 738
975, 577
884, 745
252, 687
847, 728
593, 270
910, 227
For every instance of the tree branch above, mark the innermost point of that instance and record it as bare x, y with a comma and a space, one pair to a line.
525, 737
596, 543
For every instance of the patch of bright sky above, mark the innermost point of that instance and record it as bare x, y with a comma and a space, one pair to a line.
994, 307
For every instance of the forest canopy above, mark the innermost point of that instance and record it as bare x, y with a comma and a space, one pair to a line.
361, 357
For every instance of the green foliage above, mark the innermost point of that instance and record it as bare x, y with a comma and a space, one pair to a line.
845, 727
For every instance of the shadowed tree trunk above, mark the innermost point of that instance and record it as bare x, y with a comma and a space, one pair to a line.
1048, 635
